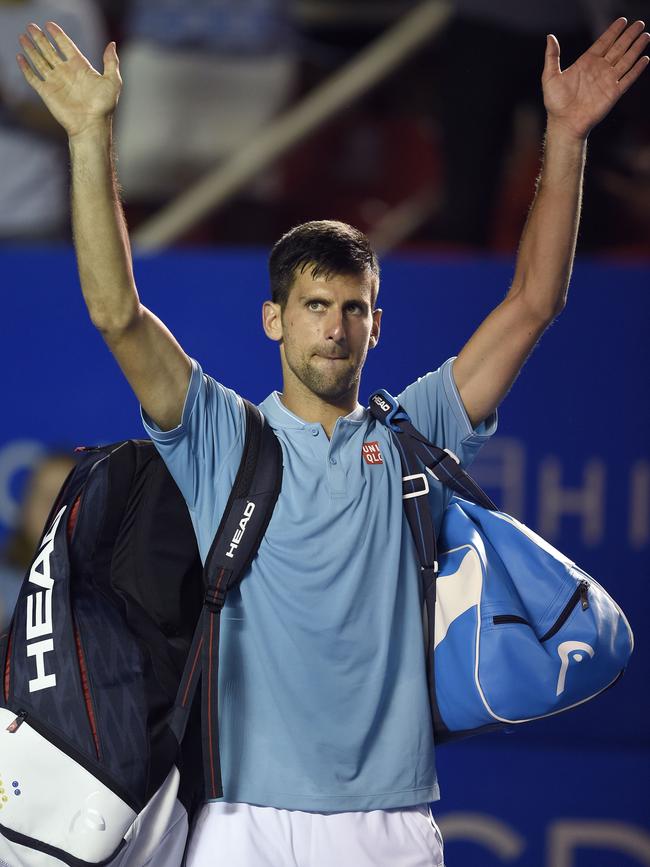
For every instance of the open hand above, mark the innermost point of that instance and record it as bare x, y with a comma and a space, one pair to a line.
75, 93
585, 92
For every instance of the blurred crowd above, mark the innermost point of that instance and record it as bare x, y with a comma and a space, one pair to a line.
443, 154
17, 552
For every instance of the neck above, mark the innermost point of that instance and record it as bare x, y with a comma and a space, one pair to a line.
312, 408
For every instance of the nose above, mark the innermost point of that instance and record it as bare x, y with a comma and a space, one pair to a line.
335, 325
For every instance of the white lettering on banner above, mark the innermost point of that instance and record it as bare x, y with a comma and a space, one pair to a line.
487, 831
39, 609
15, 456
639, 529
587, 502
567, 836
239, 533
502, 466
564, 838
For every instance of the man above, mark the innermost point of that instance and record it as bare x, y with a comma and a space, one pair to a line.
327, 752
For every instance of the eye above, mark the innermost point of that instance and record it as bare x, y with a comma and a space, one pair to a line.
315, 305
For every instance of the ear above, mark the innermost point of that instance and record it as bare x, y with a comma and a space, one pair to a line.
272, 320
376, 328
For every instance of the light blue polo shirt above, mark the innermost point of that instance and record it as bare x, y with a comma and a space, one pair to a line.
322, 682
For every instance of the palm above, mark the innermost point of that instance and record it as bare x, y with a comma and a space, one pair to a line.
76, 94
585, 92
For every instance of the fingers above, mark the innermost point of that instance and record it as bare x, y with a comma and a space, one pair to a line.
111, 62
30, 76
552, 57
44, 45
627, 61
602, 45
628, 80
61, 39
618, 48
34, 56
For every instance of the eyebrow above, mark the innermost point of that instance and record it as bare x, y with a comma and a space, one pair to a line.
315, 296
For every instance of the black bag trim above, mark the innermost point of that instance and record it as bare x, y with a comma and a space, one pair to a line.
96, 770
53, 851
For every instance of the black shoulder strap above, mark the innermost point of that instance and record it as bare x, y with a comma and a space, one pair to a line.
420, 459
244, 522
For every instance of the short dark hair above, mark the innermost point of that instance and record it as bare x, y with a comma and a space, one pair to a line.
327, 247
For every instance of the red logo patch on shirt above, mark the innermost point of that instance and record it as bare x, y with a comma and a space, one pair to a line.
372, 453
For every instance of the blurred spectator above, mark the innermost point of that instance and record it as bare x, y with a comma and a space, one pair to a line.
491, 57
200, 79
41, 489
33, 154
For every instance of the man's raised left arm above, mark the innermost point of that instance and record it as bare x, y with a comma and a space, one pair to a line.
575, 100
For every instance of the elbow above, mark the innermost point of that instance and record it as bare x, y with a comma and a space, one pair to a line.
541, 311
113, 323
556, 309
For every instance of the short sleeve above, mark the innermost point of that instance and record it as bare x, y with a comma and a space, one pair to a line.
437, 411
210, 436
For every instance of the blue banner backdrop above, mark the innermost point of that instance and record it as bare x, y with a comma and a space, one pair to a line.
571, 460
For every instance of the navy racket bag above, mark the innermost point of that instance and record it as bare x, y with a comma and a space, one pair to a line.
101, 760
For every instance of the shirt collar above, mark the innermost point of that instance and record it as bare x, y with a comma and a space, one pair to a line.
280, 417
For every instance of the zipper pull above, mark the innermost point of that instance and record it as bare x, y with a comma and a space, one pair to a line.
584, 590
14, 725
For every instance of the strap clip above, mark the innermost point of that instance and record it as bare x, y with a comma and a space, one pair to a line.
422, 492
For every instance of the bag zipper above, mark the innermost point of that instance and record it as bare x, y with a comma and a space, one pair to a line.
70, 751
580, 594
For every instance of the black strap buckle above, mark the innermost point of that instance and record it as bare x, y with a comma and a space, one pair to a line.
215, 598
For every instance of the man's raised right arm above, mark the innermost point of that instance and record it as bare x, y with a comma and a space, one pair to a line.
83, 101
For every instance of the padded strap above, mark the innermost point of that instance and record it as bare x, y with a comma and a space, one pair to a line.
244, 522
421, 459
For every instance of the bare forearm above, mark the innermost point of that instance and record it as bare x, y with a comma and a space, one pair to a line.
547, 248
100, 233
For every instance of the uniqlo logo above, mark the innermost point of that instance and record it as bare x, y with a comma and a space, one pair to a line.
371, 453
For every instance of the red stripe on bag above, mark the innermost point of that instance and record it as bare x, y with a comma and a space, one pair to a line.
214, 794
72, 518
191, 674
85, 685
7, 677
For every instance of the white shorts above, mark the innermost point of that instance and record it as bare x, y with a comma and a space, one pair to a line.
241, 835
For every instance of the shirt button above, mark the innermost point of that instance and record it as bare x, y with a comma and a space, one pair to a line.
314, 431
333, 461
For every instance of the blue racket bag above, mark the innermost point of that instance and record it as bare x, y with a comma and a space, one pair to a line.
525, 632
514, 630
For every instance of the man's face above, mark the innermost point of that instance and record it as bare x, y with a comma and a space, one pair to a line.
327, 327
